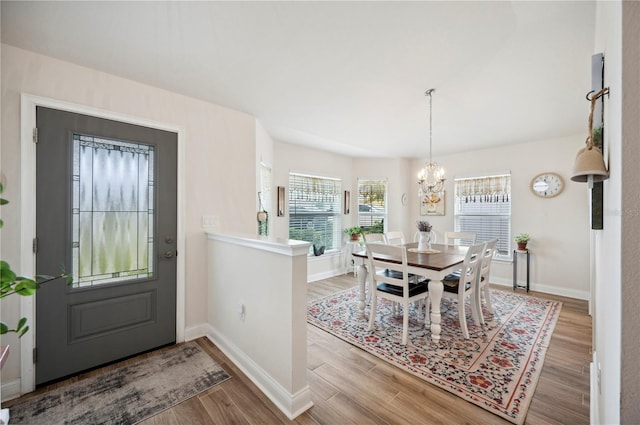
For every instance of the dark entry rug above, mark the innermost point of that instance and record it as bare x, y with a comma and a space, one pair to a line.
128, 394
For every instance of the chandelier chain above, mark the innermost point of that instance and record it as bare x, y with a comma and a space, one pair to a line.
431, 178
428, 93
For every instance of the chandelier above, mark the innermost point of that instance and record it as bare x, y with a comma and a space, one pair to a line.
431, 177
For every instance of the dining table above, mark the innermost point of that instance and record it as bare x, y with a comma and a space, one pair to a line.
434, 264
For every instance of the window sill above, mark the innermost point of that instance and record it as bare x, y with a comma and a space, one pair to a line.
332, 253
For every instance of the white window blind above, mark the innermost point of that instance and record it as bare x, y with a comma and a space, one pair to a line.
483, 206
315, 210
372, 205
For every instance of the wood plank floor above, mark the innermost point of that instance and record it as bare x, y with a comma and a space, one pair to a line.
350, 386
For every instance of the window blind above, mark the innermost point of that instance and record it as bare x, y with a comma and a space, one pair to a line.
483, 206
315, 210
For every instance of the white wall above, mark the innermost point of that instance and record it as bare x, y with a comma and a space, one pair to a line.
606, 316
395, 170
267, 339
264, 155
222, 149
220, 160
616, 334
559, 226
291, 158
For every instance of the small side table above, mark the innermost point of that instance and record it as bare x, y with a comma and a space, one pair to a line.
516, 253
350, 248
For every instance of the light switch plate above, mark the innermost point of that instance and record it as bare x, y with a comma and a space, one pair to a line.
210, 220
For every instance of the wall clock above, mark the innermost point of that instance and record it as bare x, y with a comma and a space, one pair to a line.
404, 199
547, 185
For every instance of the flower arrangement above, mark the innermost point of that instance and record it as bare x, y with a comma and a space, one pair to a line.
432, 199
423, 226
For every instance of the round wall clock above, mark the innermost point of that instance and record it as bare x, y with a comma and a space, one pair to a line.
547, 185
404, 199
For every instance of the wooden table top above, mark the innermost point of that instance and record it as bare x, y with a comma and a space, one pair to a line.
449, 255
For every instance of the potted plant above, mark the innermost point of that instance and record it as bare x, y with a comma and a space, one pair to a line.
354, 232
522, 239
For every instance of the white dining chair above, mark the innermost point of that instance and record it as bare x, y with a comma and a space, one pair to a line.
459, 238
484, 293
395, 238
374, 238
466, 285
384, 239
390, 280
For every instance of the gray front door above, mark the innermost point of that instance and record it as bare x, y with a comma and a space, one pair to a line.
106, 210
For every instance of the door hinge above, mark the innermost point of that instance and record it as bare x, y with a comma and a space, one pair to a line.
35, 245
35, 135
35, 354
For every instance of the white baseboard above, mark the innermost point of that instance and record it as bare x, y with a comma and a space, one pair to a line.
547, 289
195, 332
594, 393
11, 390
324, 275
291, 405
4, 416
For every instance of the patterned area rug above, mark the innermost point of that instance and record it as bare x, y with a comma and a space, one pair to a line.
497, 368
128, 394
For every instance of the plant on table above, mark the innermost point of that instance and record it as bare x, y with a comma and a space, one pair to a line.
354, 232
423, 226
522, 239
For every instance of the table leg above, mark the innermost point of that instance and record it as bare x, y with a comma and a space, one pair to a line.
362, 282
435, 295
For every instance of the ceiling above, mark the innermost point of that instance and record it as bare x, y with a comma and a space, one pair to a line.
347, 77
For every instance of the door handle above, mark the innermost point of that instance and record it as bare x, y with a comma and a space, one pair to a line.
168, 255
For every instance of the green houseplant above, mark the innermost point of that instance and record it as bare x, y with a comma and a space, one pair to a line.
11, 283
354, 232
522, 239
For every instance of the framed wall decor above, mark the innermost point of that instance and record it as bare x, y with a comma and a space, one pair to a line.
280, 201
347, 202
432, 204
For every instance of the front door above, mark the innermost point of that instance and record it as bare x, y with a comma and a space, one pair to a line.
106, 211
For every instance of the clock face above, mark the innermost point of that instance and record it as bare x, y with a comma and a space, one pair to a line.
404, 199
547, 185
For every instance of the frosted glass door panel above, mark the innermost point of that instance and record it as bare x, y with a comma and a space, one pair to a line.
112, 211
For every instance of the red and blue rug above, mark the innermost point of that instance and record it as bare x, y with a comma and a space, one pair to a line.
497, 368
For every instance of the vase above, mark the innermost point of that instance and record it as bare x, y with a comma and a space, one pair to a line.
424, 241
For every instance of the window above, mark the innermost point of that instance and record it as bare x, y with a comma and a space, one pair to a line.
265, 198
483, 206
372, 205
315, 211
112, 233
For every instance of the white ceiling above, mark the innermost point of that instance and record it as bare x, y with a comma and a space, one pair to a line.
343, 76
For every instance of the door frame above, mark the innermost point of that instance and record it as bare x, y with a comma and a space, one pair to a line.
28, 222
